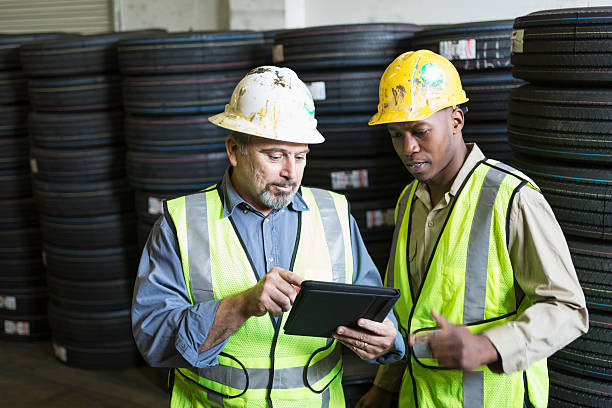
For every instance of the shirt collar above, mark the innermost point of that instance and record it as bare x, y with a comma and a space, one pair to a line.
473, 158
231, 198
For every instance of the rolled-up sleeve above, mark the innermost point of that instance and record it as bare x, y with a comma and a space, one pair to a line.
544, 271
366, 273
167, 328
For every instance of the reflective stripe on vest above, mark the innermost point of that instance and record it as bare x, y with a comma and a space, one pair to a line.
478, 248
198, 242
324, 230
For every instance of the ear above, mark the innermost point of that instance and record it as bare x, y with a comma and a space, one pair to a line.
232, 149
457, 120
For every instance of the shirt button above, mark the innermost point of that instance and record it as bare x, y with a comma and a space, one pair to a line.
270, 259
430, 224
245, 211
267, 220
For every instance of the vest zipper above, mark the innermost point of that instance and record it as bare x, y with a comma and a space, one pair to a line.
418, 294
526, 400
277, 325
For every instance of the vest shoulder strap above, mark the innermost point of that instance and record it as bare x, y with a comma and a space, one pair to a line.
525, 180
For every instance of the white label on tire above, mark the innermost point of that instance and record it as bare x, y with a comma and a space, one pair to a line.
156, 206
278, 54
8, 302
317, 90
44, 258
60, 352
458, 49
380, 218
33, 166
17, 327
341, 180
516, 42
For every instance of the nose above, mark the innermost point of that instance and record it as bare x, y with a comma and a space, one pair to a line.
411, 144
288, 170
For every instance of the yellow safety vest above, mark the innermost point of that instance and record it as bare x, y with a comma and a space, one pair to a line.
469, 280
260, 366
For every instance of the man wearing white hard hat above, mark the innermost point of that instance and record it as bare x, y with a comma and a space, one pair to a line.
222, 265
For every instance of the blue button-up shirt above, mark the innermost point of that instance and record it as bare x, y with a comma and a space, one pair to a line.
169, 330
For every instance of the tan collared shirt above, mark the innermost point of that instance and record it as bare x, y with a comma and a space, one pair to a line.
542, 266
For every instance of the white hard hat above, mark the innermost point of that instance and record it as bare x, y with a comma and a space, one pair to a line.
274, 103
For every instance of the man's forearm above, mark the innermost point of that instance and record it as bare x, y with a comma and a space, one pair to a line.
229, 317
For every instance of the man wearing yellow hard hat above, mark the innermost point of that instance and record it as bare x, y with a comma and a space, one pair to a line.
488, 286
222, 265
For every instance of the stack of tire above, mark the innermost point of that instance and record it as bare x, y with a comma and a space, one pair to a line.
23, 292
560, 127
172, 83
481, 53
342, 66
86, 206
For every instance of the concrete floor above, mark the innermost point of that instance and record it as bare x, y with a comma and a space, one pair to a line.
31, 376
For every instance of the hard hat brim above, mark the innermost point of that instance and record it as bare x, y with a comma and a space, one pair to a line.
238, 124
381, 118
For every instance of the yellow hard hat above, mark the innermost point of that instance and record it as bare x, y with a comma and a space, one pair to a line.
416, 85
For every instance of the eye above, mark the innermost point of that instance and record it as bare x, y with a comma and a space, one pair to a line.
420, 132
300, 157
395, 134
275, 157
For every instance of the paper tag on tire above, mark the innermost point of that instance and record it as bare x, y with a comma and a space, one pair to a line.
156, 206
341, 180
380, 218
277, 53
8, 302
317, 90
17, 327
60, 352
516, 42
33, 166
458, 49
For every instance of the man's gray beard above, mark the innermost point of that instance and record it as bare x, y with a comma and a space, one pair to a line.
276, 202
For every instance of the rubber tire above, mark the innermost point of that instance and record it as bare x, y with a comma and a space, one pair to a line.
569, 124
589, 355
76, 130
186, 52
568, 391
89, 232
73, 94
579, 196
492, 43
564, 46
83, 199
78, 165
341, 46
593, 262
179, 94
175, 170
346, 92
91, 265
85, 55
180, 132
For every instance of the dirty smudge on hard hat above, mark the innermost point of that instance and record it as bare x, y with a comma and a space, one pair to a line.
259, 70
398, 91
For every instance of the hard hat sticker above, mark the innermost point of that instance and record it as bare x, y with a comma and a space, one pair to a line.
432, 74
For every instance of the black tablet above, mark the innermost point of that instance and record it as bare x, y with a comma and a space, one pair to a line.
321, 307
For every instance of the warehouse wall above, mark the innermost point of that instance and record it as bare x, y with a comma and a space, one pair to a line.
322, 12
173, 15
180, 15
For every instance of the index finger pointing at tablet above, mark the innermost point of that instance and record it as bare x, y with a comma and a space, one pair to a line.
291, 277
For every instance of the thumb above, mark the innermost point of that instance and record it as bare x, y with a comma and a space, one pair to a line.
441, 320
